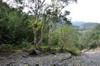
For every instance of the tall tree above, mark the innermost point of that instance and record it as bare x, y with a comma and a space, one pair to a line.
39, 8
46, 12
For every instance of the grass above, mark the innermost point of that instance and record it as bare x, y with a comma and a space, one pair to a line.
43, 48
55, 49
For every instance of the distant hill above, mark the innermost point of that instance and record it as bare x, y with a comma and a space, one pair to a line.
77, 23
84, 25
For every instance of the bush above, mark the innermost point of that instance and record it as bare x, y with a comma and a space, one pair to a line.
6, 47
14, 26
74, 51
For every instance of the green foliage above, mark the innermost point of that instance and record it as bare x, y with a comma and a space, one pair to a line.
6, 47
89, 39
61, 39
74, 51
64, 36
14, 26
19, 30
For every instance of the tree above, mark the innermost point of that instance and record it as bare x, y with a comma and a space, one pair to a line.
48, 15
41, 9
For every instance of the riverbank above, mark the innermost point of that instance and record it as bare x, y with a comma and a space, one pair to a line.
89, 58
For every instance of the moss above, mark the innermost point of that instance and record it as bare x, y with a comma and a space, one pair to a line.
74, 51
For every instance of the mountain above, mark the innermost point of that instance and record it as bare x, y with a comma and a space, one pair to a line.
77, 23
84, 25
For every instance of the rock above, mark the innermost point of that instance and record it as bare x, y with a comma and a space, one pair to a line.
37, 65
25, 64
35, 52
11, 64
59, 59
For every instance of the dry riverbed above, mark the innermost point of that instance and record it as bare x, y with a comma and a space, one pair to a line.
89, 58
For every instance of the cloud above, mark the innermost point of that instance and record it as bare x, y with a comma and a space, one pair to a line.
86, 10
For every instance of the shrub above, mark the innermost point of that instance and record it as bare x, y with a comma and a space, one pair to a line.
6, 47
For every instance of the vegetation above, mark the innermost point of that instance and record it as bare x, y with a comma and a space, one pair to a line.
49, 31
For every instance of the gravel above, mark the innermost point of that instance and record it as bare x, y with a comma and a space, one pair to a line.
59, 59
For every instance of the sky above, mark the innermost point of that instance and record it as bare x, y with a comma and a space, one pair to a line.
86, 10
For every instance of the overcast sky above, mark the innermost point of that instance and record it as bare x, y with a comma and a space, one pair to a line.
86, 10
